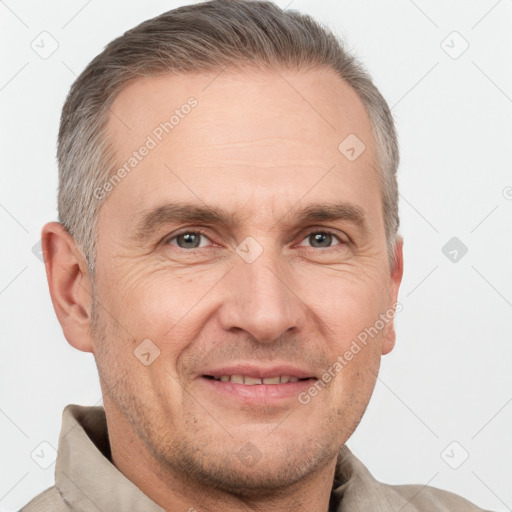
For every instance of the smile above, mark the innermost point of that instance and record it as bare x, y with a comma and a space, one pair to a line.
252, 381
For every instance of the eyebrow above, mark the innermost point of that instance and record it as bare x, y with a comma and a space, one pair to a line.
151, 221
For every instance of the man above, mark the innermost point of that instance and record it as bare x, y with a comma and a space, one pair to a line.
228, 239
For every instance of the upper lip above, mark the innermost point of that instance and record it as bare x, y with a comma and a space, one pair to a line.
259, 371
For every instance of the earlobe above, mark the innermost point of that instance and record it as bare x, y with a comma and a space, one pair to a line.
69, 283
389, 340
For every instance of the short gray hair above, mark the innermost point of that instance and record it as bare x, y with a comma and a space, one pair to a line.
204, 37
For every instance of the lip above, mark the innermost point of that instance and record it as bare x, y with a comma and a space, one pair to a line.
260, 372
258, 394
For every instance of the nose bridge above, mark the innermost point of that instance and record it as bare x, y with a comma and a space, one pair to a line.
261, 297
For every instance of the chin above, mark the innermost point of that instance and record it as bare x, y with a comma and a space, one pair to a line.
254, 470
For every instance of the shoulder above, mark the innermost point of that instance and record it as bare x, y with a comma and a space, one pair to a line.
49, 500
421, 497
356, 489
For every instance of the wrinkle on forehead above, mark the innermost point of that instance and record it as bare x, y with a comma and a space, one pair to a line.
266, 141
315, 109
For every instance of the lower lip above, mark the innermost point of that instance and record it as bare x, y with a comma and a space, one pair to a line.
258, 394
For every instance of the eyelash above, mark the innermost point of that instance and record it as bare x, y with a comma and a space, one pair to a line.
199, 231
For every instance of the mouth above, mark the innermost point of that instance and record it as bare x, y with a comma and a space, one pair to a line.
250, 383
255, 381
238, 389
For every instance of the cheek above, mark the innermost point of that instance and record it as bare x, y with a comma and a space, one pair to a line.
355, 389
169, 305
163, 305
133, 363
346, 302
356, 365
350, 311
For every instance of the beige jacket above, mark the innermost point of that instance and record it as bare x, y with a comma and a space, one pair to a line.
86, 480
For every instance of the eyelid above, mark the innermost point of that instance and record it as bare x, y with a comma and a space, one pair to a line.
303, 234
191, 229
320, 229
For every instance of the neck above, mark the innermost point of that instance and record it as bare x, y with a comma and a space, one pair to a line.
174, 491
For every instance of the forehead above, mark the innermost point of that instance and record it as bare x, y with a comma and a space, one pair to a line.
271, 137
316, 104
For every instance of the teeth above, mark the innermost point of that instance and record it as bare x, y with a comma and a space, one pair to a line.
251, 381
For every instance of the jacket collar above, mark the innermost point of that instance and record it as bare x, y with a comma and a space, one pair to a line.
88, 481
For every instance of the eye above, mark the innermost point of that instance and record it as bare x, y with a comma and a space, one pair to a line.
323, 239
188, 240
320, 239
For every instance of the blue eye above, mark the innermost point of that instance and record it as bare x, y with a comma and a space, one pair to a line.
197, 240
322, 239
187, 240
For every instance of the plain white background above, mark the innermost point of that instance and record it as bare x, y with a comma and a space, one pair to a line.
445, 392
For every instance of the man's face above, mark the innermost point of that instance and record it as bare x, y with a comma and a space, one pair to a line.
260, 292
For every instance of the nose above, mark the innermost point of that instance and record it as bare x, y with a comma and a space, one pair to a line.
261, 300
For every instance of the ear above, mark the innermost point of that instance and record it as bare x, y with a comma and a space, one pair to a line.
394, 285
69, 283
